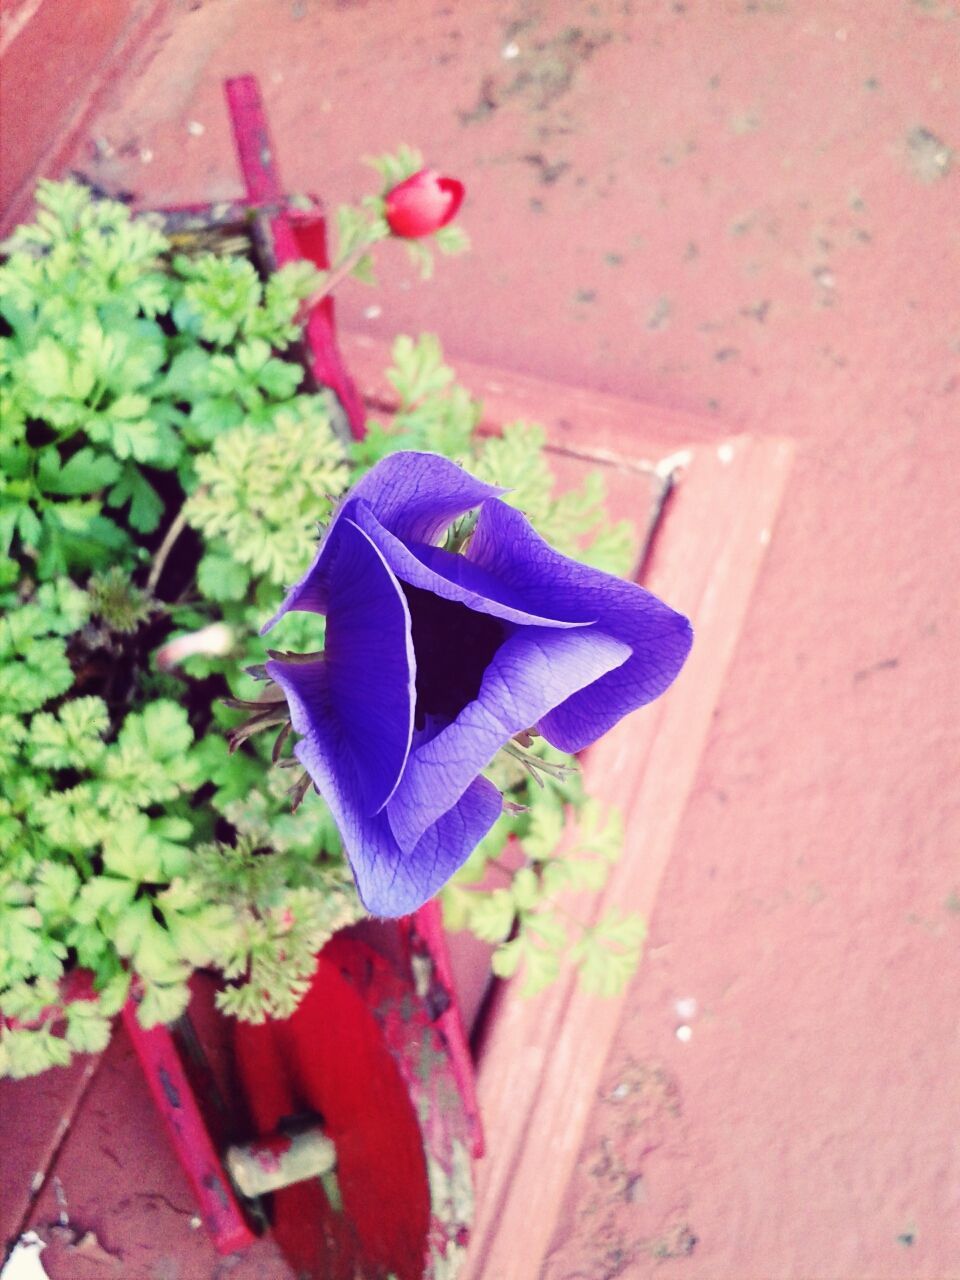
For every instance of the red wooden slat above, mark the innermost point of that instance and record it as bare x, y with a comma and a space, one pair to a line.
297, 236
175, 1101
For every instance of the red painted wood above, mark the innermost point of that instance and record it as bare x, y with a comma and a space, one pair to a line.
429, 957
362, 1053
297, 235
258, 163
174, 1099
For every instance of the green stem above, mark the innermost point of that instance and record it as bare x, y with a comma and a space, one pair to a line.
166, 546
340, 272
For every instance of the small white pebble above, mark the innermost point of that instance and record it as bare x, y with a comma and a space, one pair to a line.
686, 1008
195, 129
725, 453
146, 155
684, 1033
196, 1222
511, 50
372, 312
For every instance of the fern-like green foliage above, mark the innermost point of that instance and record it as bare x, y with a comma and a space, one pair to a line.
162, 469
263, 491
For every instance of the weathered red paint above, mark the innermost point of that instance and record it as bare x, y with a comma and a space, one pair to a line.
174, 1099
429, 959
296, 235
362, 1054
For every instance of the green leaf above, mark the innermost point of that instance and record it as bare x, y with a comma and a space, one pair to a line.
141, 937
46, 370
547, 821
506, 959
33, 679
549, 929
608, 954
396, 167
141, 850
525, 888
88, 1031
540, 969
162, 1002
113, 993
104, 898
418, 370
213, 415
86, 471
73, 739
137, 438
56, 888
146, 505
219, 577
27, 1053
492, 915
452, 239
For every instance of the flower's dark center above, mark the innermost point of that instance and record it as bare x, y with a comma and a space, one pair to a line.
453, 646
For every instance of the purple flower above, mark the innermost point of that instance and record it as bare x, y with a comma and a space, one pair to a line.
434, 661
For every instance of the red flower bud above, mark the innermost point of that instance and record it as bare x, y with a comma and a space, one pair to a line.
423, 204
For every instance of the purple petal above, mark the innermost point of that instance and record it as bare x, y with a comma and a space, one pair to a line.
396, 883
533, 671
390, 881
505, 545
416, 495
361, 692
453, 577
413, 495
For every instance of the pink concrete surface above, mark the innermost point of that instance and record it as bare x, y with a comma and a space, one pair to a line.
746, 210
53, 69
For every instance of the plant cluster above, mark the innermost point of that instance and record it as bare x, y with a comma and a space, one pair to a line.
163, 469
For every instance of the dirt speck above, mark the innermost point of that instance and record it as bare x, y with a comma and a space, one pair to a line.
548, 171
677, 1241
659, 315
742, 122
928, 157
757, 311
542, 68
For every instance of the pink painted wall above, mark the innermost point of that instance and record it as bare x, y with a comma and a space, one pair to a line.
54, 55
